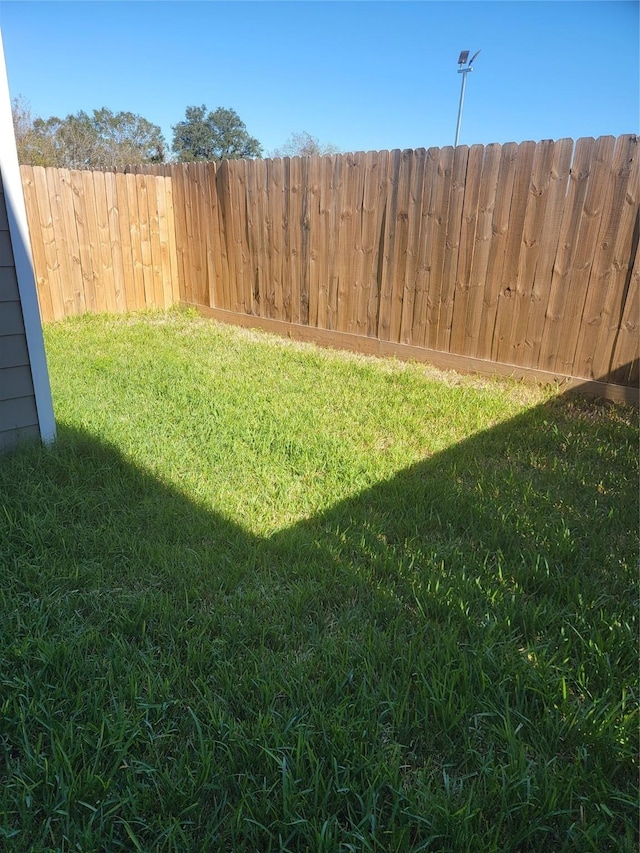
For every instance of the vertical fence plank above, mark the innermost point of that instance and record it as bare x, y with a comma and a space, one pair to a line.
216, 252
324, 230
38, 242
377, 229
137, 259
296, 228
144, 220
67, 205
103, 235
424, 271
192, 269
275, 171
596, 202
287, 228
173, 254
63, 249
84, 247
254, 241
549, 239
530, 197
495, 263
414, 225
391, 231
333, 237
369, 227
563, 265
452, 246
93, 237
153, 202
306, 218
466, 248
477, 276
626, 350
610, 271
163, 243
509, 297
347, 242
226, 250
121, 220
439, 212
111, 220
178, 189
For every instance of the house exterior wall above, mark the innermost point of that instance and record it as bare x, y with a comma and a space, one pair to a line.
18, 412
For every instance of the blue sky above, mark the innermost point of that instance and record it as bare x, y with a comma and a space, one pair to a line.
361, 75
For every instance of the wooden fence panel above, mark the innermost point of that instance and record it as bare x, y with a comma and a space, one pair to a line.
101, 241
526, 255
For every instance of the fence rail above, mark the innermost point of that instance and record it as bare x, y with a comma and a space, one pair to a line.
524, 255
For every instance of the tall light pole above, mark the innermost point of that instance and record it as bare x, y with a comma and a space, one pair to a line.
462, 59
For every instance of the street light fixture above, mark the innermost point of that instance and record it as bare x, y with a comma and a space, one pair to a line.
462, 59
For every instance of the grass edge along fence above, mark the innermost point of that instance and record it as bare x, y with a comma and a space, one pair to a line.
518, 258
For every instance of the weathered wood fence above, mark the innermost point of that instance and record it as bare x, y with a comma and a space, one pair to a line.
518, 255
100, 241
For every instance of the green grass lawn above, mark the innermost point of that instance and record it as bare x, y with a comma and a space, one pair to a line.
263, 597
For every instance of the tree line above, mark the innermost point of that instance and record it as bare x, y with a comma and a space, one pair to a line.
105, 140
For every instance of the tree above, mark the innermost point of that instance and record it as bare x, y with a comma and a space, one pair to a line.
304, 145
217, 135
103, 140
34, 148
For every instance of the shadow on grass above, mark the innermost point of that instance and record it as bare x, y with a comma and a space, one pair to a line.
442, 658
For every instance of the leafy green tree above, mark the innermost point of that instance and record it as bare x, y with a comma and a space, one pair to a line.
217, 135
103, 140
34, 148
303, 144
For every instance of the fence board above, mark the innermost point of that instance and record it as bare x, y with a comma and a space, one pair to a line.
121, 221
424, 272
41, 260
274, 220
563, 263
509, 297
549, 238
63, 249
377, 227
135, 229
467, 245
306, 203
516, 342
482, 243
597, 199
439, 211
452, 246
287, 228
117, 291
608, 284
414, 225
67, 205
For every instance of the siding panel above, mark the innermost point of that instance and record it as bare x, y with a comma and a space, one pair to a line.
17, 413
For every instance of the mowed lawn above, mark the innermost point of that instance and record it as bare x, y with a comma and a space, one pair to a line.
263, 597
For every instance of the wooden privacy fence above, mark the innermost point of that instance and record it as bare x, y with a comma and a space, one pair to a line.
100, 241
523, 255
